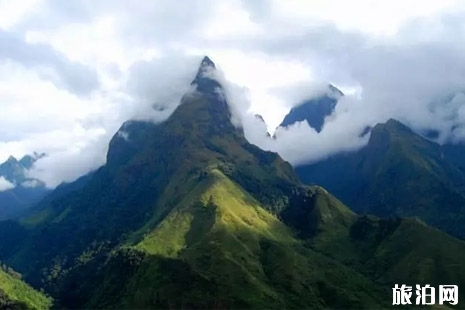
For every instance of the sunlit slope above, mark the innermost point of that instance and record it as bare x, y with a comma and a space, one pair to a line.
15, 294
222, 249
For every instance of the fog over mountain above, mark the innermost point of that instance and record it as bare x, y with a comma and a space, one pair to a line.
235, 154
91, 65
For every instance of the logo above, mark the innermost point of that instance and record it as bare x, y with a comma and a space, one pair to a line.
425, 295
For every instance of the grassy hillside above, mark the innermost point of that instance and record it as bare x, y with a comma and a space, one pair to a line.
219, 248
224, 250
15, 294
388, 251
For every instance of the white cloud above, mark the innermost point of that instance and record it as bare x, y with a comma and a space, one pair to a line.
48, 63
72, 72
160, 83
31, 183
299, 143
5, 184
231, 20
371, 17
12, 12
263, 77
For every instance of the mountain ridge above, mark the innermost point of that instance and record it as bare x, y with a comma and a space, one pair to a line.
188, 214
397, 173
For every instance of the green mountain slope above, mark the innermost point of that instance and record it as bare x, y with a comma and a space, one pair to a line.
223, 249
145, 176
15, 294
396, 250
397, 173
388, 251
188, 214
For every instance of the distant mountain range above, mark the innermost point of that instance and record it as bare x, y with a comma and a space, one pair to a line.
21, 191
188, 214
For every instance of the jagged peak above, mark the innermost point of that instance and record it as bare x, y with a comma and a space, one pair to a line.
11, 159
205, 68
10, 164
392, 124
206, 61
205, 109
205, 80
27, 161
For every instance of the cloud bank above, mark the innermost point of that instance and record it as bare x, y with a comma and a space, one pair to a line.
5, 184
151, 92
72, 72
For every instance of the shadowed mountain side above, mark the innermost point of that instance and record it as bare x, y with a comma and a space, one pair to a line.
314, 110
397, 173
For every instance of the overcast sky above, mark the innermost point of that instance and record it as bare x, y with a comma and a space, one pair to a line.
72, 71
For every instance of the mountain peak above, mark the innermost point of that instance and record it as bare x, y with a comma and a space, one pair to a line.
200, 115
11, 159
27, 161
381, 132
392, 125
206, 61
395, 133
314, 110
393, 122
205, 77
207, 66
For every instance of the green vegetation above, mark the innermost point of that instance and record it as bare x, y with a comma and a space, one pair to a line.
222, 249
15, 294
188, 214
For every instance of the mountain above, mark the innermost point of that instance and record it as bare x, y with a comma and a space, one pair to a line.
397, 173
454, 154
314, 110
188, 214
15, 294
15, 170
22, 191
